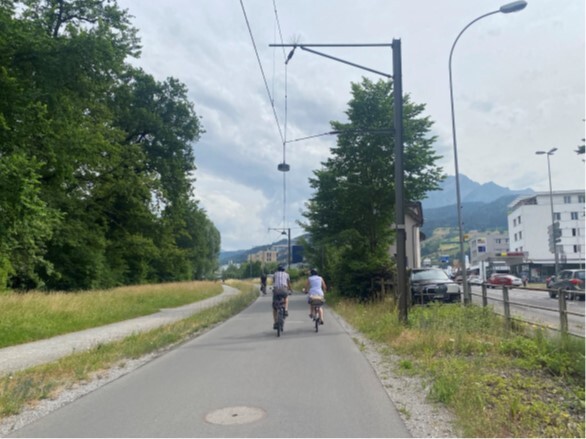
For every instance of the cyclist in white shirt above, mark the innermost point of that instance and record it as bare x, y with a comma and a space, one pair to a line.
281, 288
315, 287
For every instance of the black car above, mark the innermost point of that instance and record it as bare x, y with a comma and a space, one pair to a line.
433, 284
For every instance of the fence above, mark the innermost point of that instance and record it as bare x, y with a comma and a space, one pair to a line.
562, 309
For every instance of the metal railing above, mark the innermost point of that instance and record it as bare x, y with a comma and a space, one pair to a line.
562, 308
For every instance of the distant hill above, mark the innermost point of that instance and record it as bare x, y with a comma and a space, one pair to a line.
475, 216
470, 192
484, 207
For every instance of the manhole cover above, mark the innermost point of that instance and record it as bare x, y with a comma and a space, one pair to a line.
235, 415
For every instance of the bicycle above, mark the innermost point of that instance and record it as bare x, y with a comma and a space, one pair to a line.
316, 305
279, 306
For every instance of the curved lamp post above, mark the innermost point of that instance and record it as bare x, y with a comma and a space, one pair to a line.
505, 9
555, 247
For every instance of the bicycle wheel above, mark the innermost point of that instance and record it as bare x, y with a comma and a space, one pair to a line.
316, 318
280, 321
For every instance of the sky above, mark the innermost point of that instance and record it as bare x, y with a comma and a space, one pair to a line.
518, 84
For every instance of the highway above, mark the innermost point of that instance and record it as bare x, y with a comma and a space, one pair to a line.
549, 318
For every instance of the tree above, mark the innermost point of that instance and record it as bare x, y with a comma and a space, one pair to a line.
350, 213
96, 157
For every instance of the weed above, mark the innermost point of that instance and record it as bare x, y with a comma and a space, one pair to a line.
498, 383
34, 316
20, 388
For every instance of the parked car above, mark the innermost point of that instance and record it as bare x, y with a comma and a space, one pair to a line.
570, 280
433, 284
504, 279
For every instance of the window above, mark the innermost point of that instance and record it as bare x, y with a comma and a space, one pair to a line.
515, 236
481, 249
577, 249
498, 241
574, 215
567, 199
575, 232
557, 216
520, 235
514, 222
580, 198
519, 219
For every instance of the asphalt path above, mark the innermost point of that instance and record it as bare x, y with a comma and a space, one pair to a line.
241, 380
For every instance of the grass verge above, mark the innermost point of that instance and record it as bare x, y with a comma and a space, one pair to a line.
35, 316
21, 388
521, 383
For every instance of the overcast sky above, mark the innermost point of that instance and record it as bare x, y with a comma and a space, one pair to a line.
518, 85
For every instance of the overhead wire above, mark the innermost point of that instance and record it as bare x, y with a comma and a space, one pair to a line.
278, 24
282, 132
262, 71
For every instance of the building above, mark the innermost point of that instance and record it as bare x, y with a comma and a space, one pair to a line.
486, 250
413, 223
487, 245
529, 218
264, 256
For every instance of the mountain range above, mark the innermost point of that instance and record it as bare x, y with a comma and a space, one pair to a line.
484, 207
470, 192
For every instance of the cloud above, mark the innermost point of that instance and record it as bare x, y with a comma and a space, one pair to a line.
518, 87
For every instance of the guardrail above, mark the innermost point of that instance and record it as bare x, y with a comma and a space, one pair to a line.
562, 309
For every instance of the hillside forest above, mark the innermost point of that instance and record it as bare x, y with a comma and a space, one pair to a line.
96, 156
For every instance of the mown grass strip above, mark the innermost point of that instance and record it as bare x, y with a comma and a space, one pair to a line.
498, 384
40, 382
36, 316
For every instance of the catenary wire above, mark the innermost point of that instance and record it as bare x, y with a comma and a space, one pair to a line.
278, 23
262, 72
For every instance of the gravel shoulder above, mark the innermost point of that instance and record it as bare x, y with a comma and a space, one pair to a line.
422, 418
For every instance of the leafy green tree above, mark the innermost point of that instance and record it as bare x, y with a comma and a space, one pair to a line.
96, 157
352, 209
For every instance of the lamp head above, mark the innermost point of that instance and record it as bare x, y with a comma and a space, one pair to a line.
540, 152
513, 7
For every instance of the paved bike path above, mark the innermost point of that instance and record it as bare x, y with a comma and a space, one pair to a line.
14, 358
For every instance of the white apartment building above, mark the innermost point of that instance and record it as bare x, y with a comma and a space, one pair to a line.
529, 217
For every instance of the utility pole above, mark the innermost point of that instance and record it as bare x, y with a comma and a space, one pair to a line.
401, 283
401, 235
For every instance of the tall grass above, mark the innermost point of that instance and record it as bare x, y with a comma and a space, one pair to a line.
34, 316
498, 383
40, 382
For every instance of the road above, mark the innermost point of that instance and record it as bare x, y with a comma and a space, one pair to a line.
240, 380
549, 318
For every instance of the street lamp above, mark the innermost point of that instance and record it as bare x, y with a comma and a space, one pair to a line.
553, 237
505, 9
